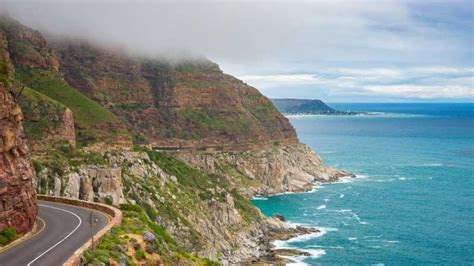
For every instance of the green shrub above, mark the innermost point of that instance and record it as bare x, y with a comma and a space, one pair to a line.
140, 255
4, 73
9, 233
3, 240
108, 200
37, 166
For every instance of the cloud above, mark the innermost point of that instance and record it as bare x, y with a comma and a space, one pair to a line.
423, 91
432, 82
333, 48
257, 34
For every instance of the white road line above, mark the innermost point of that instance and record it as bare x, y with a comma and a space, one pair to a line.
59, 242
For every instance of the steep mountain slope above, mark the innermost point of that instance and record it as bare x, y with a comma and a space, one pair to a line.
18, 207
185, 104
191, 198
37, 67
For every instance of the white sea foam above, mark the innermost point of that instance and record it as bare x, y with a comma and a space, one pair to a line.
352, 214
259, 198
352, 238
326, 200
349, 179
402, 178
434, 164
343, 210
316, 186
341, 196
299, 260
320, 207
279, 244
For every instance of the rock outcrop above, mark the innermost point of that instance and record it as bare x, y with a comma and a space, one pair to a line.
18, 207
280, 169
87, 182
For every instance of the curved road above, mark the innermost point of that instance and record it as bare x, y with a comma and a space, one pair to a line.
62, 229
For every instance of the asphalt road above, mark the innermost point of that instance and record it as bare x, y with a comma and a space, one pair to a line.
62, 229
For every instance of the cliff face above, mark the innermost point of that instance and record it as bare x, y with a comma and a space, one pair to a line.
55, 110
190, 104
17, 195
293, 168
75, 93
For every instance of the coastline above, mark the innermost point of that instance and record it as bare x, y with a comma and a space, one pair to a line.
280, 232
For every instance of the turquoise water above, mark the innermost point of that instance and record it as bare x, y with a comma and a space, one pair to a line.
413, 200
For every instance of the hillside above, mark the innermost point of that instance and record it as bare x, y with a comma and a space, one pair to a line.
309, 107
190, 103
92, 116
37, 67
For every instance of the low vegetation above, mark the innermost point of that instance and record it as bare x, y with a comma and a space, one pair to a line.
115, 246
7, 235
93, 122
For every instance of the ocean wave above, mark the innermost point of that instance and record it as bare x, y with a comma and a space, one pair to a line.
259, 198
316, 186
432, 165
299, 260
320, 207
281, 244
350, 179
352, 214
360, 115
341, 196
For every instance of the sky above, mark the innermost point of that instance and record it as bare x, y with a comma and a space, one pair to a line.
334, 50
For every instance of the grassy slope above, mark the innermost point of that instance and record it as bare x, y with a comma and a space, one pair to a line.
48, 110
89, 117
135, 221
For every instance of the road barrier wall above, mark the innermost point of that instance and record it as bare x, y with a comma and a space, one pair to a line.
114, 213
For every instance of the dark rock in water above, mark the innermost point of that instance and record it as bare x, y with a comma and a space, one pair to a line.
279, 217
291, 252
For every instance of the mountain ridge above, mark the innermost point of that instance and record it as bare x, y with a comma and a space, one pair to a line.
291, 106
93, 116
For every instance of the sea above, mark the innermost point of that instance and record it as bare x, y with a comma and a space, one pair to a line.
412, 201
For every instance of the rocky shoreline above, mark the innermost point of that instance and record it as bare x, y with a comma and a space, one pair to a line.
278, 229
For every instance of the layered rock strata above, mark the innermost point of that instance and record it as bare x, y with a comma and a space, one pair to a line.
18, 207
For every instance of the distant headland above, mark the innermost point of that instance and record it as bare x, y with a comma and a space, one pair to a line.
307, 107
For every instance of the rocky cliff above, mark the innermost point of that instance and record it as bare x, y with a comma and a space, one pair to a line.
294, 168
55, 110
189, 104
84, 107
17, 195
204, 213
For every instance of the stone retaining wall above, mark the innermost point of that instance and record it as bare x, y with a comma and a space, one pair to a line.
116, 214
